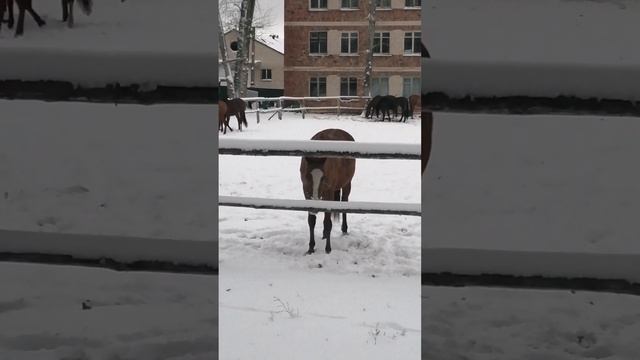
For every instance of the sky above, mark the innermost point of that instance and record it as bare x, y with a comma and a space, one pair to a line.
277, 10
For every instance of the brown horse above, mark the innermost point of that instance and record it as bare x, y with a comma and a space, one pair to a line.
414, 102
237, 107
327, 179
223, 120
67, 10
23, 5
427, 130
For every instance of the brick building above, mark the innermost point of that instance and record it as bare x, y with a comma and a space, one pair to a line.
326, 41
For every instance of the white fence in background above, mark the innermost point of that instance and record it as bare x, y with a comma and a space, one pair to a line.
342, 104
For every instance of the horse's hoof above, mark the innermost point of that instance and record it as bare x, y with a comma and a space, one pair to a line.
309, 252
327, 250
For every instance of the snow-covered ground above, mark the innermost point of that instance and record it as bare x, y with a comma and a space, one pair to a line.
581, 48
541, 31
140, 316
540, 183
502, 324
561, 185
129, 170
362, 300
146, 42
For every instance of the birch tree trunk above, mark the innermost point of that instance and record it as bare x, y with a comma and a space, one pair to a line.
223, 56
242, 65
368, 69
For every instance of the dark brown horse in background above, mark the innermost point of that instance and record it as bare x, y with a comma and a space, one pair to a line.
223, 120
427, 130
67, 9
327, 179
414, 102
23, 5
236, 107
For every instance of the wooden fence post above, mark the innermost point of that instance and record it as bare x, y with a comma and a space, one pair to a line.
279, 109
303, 107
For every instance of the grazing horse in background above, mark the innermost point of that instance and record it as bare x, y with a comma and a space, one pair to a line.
386, 105
414, 102
223, 119
237, 107
67, 10
427, 130
372, 105
402, 103
327, 179
23, 5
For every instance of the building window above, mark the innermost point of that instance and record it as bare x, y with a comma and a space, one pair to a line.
412, 3
318, 86
265, 74
318, 4
412, 42
349, 43
380, 86
348, 86
381, 42
383, 4
318, 42
410, 86
349, 4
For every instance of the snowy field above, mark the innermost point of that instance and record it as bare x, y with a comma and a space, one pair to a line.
142, 316
130, 170
548, 48
78, 168
147, 42
535, 183
362, 300
541, 31
562, 185
500, 324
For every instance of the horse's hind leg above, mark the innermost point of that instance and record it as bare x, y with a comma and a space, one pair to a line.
346, 190
326, 232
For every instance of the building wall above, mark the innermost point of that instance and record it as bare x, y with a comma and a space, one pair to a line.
266, 58
300, 65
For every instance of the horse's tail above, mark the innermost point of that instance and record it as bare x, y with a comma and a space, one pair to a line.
335, 214
86, 6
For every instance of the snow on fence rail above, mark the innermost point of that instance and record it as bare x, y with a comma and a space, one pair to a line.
522, 87
304, 101
320, 148
618, 273
113, 252
354, 207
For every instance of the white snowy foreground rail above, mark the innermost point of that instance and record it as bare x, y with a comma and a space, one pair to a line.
92, 68
487, 79
114, 252
532, 269
354, 207
320, 148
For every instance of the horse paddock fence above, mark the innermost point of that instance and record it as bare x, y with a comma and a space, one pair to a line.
342, 104
321, 148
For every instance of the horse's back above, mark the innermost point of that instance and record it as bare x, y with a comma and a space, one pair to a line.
342, 169
333, 134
